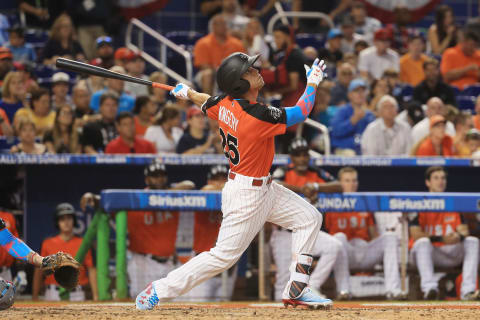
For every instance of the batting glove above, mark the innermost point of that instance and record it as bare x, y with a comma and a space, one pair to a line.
180, 91
316, 73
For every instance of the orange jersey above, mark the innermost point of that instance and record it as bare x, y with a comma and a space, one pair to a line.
205, 232
288, 175
153, 232
6, 260
247, 130
54, 244
353, 224
436, 223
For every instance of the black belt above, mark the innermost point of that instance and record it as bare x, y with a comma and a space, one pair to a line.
158, 259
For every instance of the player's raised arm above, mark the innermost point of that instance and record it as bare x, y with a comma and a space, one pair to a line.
184, 92
304, 105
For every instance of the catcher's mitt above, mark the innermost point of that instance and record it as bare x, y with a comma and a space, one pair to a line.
7, 294
64, 267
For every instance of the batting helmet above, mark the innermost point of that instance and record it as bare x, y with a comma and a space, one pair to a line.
216, 171
297, 145
7, 294
64, 209
154, 169
229, 74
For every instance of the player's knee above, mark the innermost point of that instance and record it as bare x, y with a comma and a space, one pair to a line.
422, 242
472, 241
223, 260
336, 245
390, 237
340, 236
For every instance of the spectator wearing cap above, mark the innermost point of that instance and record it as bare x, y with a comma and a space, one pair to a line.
165, 132
13, 94
364, 25
104, 57
412, 113
127, 141
135, 67
350, 121
210, 50
350, 37
68, 242
435, 106
40, 112
463, 123
62, 42
476, 117
460, 65
195, 139
144, 112
433, 85
97, 134
21, 51
345, 74
373, 61
332, 52
126, 101
386, 136
411, 63
60, 86
437, 143
6, 63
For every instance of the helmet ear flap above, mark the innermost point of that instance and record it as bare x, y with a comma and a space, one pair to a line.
240, 87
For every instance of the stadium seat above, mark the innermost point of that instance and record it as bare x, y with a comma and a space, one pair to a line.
186, 39
473, 90
407, 92
466, 103
36, 38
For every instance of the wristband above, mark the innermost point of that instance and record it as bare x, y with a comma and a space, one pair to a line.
435, 238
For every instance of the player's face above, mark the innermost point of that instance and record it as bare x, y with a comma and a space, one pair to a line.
65, 223
156, 182
300, 160
254, 78
437, 182
349, 182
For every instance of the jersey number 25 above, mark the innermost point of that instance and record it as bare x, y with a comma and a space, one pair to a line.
232, 152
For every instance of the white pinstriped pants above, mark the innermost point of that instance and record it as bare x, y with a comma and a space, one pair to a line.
245, 210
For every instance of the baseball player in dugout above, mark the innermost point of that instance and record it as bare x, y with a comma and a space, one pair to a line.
362, 247
202, 234
250, 198
442, 239
68, 242
304, 179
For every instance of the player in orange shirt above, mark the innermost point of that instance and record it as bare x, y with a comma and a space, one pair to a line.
437, 143
65, 241
443, 239
152, 234
304, 179
362, 248
205, 233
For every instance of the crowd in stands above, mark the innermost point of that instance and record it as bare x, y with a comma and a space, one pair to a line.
391, 89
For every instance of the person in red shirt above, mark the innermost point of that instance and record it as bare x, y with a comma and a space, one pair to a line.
7, 260
68, 242
362, 248
438, 143
442, 239
127, 141
144, 111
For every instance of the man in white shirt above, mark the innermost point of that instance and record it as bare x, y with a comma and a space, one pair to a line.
364, 25
386, 136
373, 61
435, 106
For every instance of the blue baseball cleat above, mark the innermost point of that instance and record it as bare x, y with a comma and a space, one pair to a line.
147, 299
308, 298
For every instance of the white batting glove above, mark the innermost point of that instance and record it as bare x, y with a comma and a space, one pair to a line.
180, 91
316, 73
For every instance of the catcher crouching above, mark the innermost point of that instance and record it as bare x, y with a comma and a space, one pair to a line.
62, 265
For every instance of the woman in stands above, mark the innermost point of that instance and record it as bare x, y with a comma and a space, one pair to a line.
13, 94
26, 134
165, 132
63, 138
62, 42
443, 33
40, 113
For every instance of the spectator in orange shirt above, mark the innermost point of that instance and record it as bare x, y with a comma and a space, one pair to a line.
127, 141
411, 63
476, 118
144, 111
210, 50
6, 260
68, 242
437, 143
461, 64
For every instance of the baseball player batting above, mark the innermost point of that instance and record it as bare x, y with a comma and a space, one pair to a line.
250, 198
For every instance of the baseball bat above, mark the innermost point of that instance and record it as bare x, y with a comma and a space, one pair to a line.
76, 66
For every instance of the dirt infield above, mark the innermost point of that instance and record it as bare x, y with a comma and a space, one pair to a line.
243, 310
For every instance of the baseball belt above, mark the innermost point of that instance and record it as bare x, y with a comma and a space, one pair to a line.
255, 182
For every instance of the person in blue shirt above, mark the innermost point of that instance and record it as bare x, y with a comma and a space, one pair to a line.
348, 124
125, 103
22, 52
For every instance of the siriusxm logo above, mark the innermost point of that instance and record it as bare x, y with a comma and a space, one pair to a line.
421, 204
336, 203
180, 202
